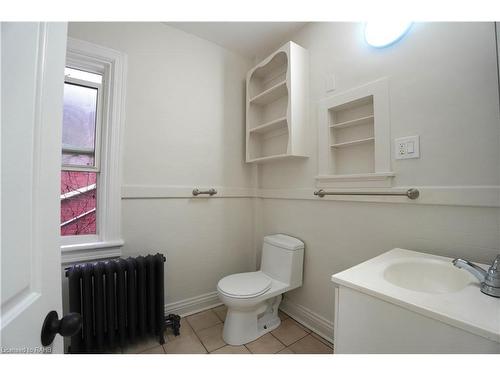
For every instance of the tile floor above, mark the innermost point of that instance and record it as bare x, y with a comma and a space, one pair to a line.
202, 333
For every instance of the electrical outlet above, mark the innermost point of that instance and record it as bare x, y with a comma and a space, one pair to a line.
407, 147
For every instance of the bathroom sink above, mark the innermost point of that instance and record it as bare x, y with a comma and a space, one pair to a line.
428, 285
427, 275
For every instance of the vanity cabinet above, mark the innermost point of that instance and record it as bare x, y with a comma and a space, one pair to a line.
405, 301
365, 324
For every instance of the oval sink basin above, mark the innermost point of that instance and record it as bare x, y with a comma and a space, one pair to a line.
426, 275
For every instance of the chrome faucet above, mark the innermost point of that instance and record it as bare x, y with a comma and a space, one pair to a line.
490, 280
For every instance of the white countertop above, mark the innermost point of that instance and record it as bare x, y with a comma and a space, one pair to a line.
467, 309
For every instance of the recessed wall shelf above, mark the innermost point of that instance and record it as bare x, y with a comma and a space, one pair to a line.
354, 138
357, 121
276, 106
353, 143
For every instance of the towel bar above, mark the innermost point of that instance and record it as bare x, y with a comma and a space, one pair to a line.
210, 192
410, 193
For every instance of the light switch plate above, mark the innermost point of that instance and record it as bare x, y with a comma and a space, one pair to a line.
407, 147
330, 83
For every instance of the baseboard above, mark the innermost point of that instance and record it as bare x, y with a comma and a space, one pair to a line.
193, 305
316, 323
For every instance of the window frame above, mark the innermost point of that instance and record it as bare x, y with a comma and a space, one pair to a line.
111, 64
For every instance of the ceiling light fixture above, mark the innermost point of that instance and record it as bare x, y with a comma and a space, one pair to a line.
383, 34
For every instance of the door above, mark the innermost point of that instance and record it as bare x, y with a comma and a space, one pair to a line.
32, 76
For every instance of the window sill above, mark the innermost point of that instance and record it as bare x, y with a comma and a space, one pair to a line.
83, 252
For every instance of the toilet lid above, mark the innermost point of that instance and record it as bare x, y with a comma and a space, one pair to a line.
245, 285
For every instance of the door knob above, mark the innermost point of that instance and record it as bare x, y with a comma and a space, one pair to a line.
69, 325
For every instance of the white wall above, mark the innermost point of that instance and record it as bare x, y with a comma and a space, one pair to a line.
443, 87
184, 127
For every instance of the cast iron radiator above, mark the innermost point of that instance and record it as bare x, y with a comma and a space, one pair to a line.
121, 301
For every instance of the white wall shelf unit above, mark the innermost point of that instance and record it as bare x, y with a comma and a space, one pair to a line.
276, 107
354, 137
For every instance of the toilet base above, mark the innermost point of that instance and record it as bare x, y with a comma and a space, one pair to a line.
245, 325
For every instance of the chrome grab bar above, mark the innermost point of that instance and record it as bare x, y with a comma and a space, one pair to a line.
210, 192
410, 193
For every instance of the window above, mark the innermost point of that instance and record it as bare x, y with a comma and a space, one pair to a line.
80, 149
90, 170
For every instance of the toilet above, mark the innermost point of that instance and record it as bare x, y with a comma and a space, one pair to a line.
253, 298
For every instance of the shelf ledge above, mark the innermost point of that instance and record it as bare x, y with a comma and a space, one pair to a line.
358, 121
271, 94
270, 126
353, 143
266, 159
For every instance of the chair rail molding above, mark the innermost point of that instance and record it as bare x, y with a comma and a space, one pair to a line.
475, 196
180, 191
480, 196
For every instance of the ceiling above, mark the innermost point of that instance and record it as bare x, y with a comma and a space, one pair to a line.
245, 38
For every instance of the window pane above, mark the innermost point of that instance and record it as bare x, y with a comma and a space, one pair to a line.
79, 125
78, 203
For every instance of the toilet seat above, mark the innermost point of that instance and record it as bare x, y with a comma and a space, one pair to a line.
245, 285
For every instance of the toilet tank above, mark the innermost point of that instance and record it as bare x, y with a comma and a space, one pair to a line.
283, 258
